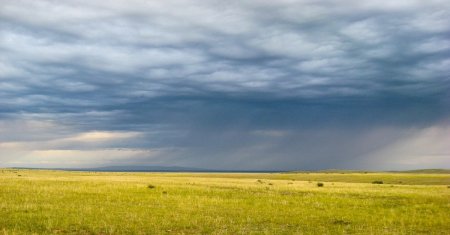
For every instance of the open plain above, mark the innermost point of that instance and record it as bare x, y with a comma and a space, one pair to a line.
64, 202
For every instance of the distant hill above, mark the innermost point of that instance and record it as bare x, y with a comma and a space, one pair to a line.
418, 171
331, 171
427, 171
194, 169
148, 169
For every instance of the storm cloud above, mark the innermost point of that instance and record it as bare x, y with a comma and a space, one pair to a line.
238, 85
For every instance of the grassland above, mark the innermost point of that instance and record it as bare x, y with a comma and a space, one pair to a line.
59, 202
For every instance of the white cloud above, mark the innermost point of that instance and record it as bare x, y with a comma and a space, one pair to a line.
423, 148
81, 158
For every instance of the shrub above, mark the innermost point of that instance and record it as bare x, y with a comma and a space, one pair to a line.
150, 186
319, 184
341, 222
377, 182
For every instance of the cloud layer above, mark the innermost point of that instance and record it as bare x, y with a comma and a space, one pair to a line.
235, 85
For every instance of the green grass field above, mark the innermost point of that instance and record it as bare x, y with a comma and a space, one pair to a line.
59, 202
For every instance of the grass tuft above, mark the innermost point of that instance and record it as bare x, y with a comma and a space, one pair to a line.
341, 222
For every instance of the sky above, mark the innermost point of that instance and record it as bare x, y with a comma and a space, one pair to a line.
231, 85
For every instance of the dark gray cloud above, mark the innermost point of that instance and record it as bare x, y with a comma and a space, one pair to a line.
235, 85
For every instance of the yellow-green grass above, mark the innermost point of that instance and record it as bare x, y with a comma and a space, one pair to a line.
60, 202
387, 178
